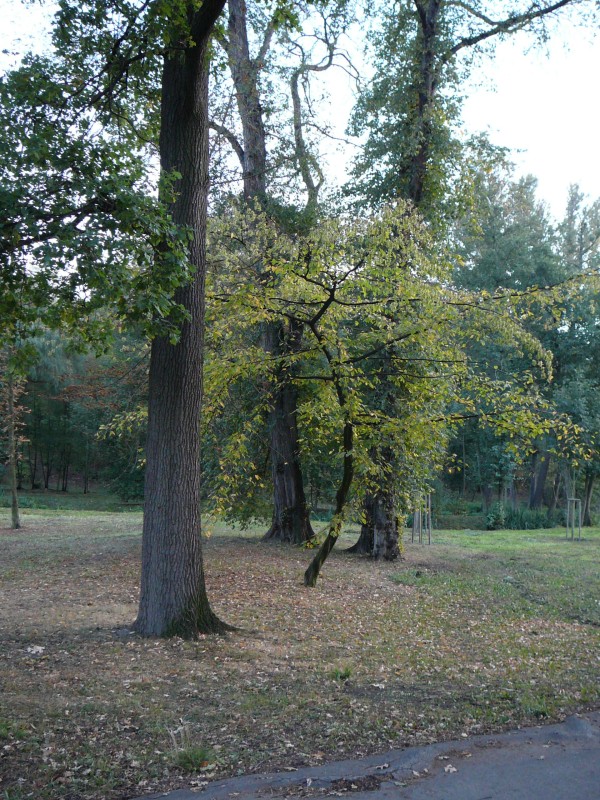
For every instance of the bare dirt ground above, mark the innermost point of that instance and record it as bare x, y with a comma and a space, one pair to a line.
461, 638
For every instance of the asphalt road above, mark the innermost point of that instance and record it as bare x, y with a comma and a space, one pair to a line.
554, 762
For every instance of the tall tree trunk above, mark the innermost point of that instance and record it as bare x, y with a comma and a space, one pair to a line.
86, 467
291, 514
412, 176
173, 599
540, 484
47, 469
12, 452
32, 466
533, 477
66, 463
385, 528
416, 164
587, 498
556, 486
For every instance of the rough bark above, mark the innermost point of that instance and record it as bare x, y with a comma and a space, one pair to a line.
173, 599
415, 168
380, 531
412, 176
385, 528
291, 514
244, 73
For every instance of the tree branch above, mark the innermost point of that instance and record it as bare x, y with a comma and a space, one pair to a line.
508, 25
223, 131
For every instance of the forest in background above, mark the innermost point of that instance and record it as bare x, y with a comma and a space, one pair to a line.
424, 326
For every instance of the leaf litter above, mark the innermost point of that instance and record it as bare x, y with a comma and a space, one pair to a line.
371, 659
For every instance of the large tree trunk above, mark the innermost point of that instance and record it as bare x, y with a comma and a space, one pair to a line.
380, 531
173, 599
291, 515
385, 528
412, 175
291, 521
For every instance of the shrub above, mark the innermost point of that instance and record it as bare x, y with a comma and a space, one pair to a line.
496, 518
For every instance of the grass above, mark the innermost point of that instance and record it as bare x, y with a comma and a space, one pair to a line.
479, 632
99, 499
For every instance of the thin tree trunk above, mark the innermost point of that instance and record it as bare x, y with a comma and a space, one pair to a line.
587, 499
556, 486
12, 453
32, 466
66, 462
173, 599
341, 498
538, 481
86, 467
47, 470
414, 170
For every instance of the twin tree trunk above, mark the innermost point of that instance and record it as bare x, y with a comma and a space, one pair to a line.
380, 531
291, 515
173, 599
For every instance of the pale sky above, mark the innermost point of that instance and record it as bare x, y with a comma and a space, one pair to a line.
544, 104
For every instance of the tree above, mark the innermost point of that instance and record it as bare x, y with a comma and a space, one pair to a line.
103, 81
381, 319
507, 242
577, 340
173, 599
11, 388
408, 112
290, 518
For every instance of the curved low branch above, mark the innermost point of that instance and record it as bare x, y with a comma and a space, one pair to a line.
223, 131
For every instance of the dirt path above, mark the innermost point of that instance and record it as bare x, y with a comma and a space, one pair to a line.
554, 762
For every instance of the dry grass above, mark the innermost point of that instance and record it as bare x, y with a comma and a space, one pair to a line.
478, 632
